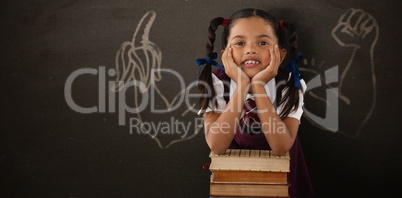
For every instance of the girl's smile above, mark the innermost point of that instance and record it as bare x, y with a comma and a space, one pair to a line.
250, 62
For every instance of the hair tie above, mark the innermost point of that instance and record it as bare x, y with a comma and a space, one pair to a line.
281, 24
225, 22
292, 67
202, 61
209, 60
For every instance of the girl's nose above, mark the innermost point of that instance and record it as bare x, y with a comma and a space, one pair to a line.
251, 50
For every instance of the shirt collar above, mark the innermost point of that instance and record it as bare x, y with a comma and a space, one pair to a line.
269, 88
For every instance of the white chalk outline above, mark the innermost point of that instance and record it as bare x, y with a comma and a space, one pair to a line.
129, 64
361, 28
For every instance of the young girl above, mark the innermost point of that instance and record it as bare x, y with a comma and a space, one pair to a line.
255, 101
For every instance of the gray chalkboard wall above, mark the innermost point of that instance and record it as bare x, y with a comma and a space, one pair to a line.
68, 130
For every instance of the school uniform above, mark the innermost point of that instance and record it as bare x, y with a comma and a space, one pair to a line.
300, 184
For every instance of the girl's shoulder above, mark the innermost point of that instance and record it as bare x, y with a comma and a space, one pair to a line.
221, 75
223, 84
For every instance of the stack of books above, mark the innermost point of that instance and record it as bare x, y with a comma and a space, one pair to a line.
249, 173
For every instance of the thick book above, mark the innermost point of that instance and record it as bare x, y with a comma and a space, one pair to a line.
251, 177
249, 160
249, 190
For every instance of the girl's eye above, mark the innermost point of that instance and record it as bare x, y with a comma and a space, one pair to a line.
263, 43
239, 43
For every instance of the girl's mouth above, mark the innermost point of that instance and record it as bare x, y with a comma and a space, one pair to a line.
251, 63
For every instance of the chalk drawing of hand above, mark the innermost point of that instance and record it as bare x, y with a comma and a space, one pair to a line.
358, 30
354, 29
140, 60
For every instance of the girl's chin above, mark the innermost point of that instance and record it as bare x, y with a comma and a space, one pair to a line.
252, 69
251, 74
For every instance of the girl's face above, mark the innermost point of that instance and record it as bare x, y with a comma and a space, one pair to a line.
251, 40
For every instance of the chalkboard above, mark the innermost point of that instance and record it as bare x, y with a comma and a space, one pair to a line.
70, 129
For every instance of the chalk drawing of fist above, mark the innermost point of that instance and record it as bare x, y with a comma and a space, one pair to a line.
358, 30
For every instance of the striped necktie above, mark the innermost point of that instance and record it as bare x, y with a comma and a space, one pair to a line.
250, 122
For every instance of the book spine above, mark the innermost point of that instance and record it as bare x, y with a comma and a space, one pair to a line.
261, 190
254, 177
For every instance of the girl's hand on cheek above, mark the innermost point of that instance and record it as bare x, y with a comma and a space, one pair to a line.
267, 74
232, 69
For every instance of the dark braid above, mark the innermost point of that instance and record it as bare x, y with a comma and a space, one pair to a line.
293, 40
205, 87
291, 97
